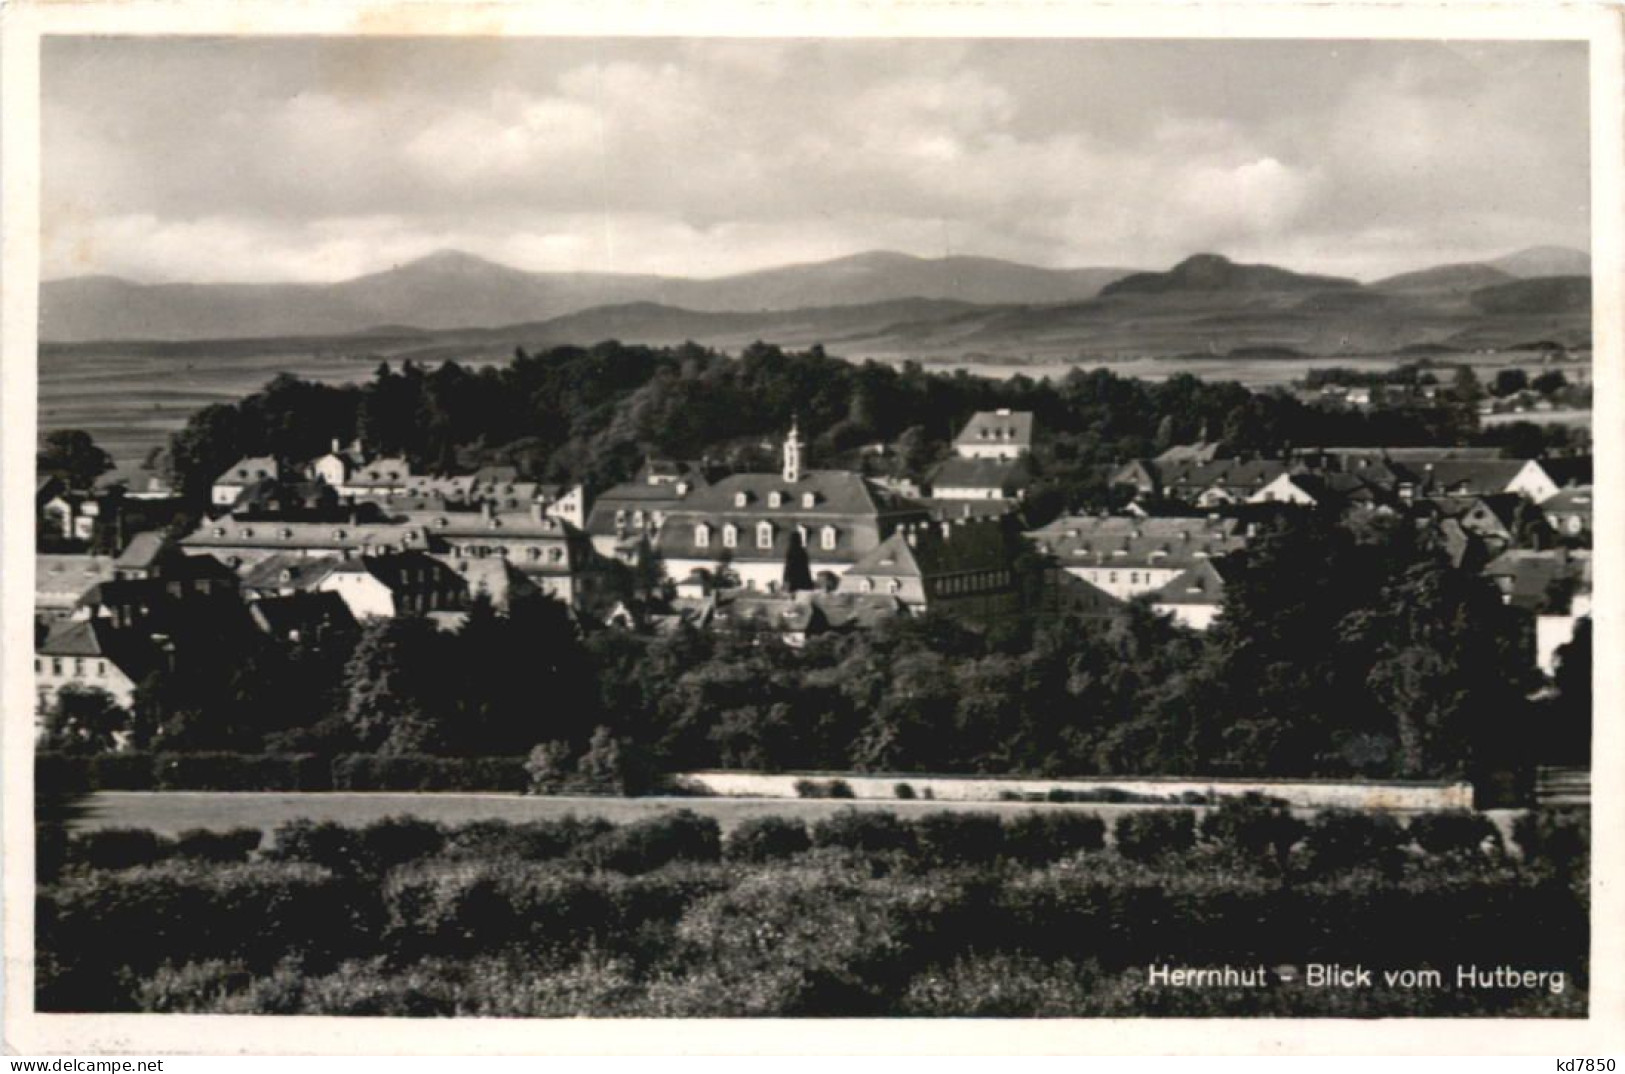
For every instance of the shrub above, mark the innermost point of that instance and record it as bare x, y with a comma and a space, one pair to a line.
1555, 839
549, 768
60, 773
648, 844
829, 788
768, 838
1148, 834
1340, 839
122, 771
103, 930
903, 791
200, 844
950, 838
421, 772
116, 848
229, 771
394, 841
531, 841
332, 846
869, 830
1047, 835
1455, 832
1254, 827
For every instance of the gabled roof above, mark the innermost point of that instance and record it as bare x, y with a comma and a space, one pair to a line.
227, 533
860, 610
970, 546
1007, 475
56, 574
288, 571
301, 612
1573, 500
144, 550
129, 650
768, 614
1090, 541
1476, 477
989, 428
1524, 575
1201, 451
248, 469
400, 570
1200, 584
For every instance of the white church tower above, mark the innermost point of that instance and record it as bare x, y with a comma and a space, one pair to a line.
792, 454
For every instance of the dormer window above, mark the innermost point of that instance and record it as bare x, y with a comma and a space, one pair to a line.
775, 499
764, 535
555, 555
702, 536
741, 499
893, 586
730, 536
826, 538
285, 533
809, 499
620, 518
220, 531
637, 519
339, 535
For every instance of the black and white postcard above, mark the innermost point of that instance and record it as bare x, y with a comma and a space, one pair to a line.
1019, 527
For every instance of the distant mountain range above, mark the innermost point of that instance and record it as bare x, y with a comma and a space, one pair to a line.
876, 304
457, 290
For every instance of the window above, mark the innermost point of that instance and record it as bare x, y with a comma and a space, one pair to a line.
702, 536
809, 499
893, 586
101, 668
620, 518
868, 585
535, 554
826, 538
764, 535
637, 519
730, 536
39, 665
555, 555
741, 499
775, 499
56, 665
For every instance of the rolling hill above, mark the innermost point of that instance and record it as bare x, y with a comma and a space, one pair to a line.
1212, 272
456, 290
1539, 261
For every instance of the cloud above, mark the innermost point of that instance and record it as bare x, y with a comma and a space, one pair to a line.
322, 158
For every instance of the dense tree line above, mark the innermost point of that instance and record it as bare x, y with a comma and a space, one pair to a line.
593, 414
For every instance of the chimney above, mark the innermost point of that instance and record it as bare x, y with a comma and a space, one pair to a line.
538, 511
488, 510
947, 530
337, 447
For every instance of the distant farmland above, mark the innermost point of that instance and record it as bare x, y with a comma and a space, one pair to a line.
131, 396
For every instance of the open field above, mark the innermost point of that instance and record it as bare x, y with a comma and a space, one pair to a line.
172, 812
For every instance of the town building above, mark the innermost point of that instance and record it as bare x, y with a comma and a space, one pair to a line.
61, 579
1195, 597
92, 654
965, 569
980, 479
745, 524
1127, 557
996, 434
241, 544
1568, 511
626, 515
240, 475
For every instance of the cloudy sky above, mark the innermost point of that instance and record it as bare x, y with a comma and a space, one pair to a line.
319, 159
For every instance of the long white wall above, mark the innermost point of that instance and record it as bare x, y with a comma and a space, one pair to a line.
1305, 793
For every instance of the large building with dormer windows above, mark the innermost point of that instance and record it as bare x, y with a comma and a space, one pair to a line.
748, 521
